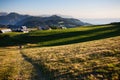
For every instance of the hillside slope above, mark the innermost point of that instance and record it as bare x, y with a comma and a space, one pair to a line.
92, 60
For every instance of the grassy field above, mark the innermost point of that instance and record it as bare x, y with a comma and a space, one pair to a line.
59, 37
83, 53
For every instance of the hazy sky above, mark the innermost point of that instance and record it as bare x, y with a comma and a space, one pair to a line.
75, 8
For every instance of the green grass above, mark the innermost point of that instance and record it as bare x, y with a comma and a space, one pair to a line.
60, 37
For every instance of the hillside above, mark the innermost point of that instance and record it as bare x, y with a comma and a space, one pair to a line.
92, 60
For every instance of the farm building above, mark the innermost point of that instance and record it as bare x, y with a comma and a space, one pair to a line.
5, 30
24, 29
20, 29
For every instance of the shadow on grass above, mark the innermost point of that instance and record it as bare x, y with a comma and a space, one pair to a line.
96, 37
23, 39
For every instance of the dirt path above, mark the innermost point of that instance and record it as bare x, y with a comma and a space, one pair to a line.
13, 66
36, 73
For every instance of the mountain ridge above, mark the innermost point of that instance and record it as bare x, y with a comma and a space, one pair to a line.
12, 18
33, 21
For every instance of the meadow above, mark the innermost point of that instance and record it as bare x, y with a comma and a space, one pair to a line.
82, 53
59, 37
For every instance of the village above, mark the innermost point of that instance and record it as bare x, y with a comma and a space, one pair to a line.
26, 29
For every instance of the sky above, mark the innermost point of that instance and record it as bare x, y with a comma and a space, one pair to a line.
74, 8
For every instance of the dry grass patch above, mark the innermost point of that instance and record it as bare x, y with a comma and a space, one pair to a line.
88, 60
13, 66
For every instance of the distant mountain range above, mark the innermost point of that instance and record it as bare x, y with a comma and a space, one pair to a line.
3, 13
12, 18
35, 21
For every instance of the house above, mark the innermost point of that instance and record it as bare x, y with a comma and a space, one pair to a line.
24, 29
19, 29
5, 30
15, 28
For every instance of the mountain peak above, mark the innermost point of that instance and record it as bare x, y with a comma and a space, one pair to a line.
12, 18
13, 14
55, 16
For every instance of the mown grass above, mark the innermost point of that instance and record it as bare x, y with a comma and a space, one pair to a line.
60, 37
93, 60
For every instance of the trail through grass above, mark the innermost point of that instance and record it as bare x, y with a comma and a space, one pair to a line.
14, 66
94, 60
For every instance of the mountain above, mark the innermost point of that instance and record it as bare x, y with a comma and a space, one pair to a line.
53, 20
35, 21
12, 18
